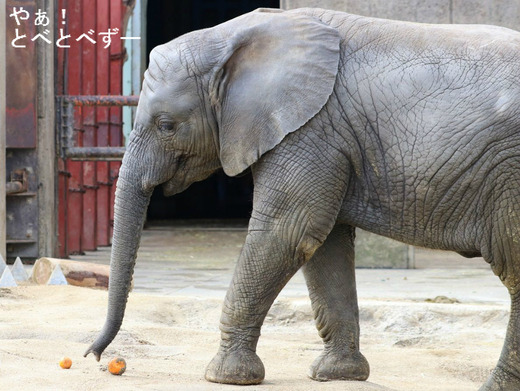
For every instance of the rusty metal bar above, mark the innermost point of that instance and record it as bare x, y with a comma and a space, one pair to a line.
18, 182
14, 187
95, 153
65, 120
102, 100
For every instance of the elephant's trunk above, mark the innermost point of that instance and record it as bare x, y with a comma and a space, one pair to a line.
130, 210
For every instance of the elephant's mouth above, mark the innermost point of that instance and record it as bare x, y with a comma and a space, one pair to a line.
173, 186
170, 188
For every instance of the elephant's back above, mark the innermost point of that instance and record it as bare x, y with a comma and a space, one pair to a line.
363, 31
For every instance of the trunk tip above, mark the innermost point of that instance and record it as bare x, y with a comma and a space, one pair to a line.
96, 354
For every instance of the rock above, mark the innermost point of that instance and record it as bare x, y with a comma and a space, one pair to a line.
443, 300
77, 273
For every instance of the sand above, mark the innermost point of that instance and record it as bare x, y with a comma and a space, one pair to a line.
167, 342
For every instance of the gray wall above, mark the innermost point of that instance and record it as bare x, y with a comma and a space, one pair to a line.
500, 12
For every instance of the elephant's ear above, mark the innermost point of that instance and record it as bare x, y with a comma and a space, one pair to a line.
278, 71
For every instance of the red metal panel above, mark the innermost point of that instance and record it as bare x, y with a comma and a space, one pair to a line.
89, 124
86, 194
75, 185
116, 87
103, 173
63, 181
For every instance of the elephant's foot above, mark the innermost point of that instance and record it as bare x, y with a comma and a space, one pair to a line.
236, 367
501, 380
340, 366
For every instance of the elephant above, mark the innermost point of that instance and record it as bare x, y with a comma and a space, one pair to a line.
410, 131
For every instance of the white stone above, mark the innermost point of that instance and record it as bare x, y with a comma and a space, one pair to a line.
7, 280
57, 277
18, 271
3, 265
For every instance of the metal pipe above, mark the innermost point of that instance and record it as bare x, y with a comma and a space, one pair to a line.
18, 182
95, 153
102, 100
15, 187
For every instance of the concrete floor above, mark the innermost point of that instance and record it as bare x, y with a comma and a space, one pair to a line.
198, 260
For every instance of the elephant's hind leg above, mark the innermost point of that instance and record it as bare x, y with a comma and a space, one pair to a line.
506, 375
330, 277
504, 258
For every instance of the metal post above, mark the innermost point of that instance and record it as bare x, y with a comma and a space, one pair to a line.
65, 108
3, 178
47, 158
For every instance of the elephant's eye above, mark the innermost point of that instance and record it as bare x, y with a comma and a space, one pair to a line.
166, 125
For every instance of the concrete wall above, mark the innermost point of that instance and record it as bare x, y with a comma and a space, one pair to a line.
500, 12
46, 151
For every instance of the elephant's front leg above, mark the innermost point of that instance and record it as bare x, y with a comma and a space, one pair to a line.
296, 203
330, 276
267, 262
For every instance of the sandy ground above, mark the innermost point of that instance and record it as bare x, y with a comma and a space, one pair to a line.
170, 332
168, 341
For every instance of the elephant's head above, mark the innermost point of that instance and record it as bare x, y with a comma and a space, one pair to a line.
220, 97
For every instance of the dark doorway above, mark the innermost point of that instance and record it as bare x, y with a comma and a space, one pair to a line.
218, 197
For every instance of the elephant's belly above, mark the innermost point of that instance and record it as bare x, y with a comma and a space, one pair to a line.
413, 219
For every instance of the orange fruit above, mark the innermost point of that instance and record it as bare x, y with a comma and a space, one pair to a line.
65, 363
117, 366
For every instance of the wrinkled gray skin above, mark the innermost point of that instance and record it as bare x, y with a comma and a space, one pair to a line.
406, 130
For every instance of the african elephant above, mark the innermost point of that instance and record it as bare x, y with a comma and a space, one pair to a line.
406, 130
